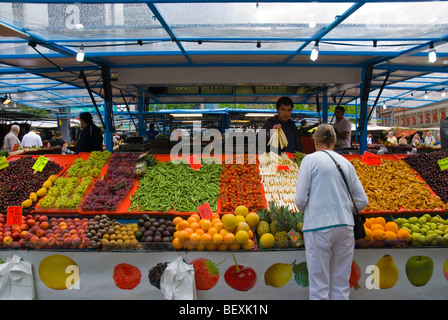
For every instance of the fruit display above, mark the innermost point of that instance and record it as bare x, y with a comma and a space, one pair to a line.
381, 233
428, 168
425, 230
40, 232
21, 185
90, 167
232, 231
275, 224
66, 193
155, 233
111, 234
279, 178
110, 191
174, 186
393, 186
240, 184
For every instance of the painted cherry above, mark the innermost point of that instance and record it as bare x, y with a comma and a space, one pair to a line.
239, 277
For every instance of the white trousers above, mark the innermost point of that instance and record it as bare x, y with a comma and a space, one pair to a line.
329, 255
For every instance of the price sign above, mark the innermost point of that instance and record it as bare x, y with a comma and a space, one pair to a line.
3, 163
286, 168
205, 211
443, 163
194, 162
40, 164
14, 216
371, 159
290, 155
293, 235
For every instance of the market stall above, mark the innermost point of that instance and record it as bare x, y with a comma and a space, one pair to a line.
94, 215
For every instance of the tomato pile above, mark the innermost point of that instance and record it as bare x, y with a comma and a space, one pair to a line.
241, 185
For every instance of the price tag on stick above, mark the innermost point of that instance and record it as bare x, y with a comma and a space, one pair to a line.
40, 164
14, 216
205, 211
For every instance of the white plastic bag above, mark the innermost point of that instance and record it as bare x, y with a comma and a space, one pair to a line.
16, 279
177, 281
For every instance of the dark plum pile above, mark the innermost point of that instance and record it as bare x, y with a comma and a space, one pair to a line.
18, 180
427, 167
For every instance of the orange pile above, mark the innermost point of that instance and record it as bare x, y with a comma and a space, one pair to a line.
380, 229
195, 233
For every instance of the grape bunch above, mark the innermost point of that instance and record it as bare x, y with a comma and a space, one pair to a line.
66, 193
108, 193
90, 167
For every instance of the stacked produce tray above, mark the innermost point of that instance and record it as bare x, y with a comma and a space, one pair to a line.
405, 192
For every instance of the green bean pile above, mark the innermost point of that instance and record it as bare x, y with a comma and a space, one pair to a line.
167, 186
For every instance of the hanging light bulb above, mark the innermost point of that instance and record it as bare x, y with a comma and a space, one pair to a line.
432, 55
81, 54
443, 94
426, 94
384, 105
315, 51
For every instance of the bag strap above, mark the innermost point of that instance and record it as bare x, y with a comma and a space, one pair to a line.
345, 180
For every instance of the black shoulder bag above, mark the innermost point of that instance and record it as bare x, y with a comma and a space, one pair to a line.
359, 219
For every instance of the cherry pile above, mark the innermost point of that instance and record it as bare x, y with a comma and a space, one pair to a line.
428, 168
18, 180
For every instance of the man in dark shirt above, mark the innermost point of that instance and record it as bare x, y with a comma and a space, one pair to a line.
90, 137
282, 120
57, 140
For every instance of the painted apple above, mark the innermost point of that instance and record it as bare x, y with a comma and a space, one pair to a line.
419, 270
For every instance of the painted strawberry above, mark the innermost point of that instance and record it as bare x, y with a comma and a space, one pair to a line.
206, 273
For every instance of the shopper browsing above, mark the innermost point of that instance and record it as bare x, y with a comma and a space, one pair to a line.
90, 137
403, 139
429, 139
328, 224
12, 139
283, 121
32, 139
416, 140
392, 139
343, 127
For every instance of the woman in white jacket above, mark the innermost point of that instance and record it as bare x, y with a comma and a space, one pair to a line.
322, 196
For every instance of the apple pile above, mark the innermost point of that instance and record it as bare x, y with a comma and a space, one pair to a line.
42, 232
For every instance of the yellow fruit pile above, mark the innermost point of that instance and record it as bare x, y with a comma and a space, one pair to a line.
229, 232
39, 193
377, 228
121, 236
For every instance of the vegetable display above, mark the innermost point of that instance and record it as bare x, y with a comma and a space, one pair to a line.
279, 178
241, 185
176, 186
